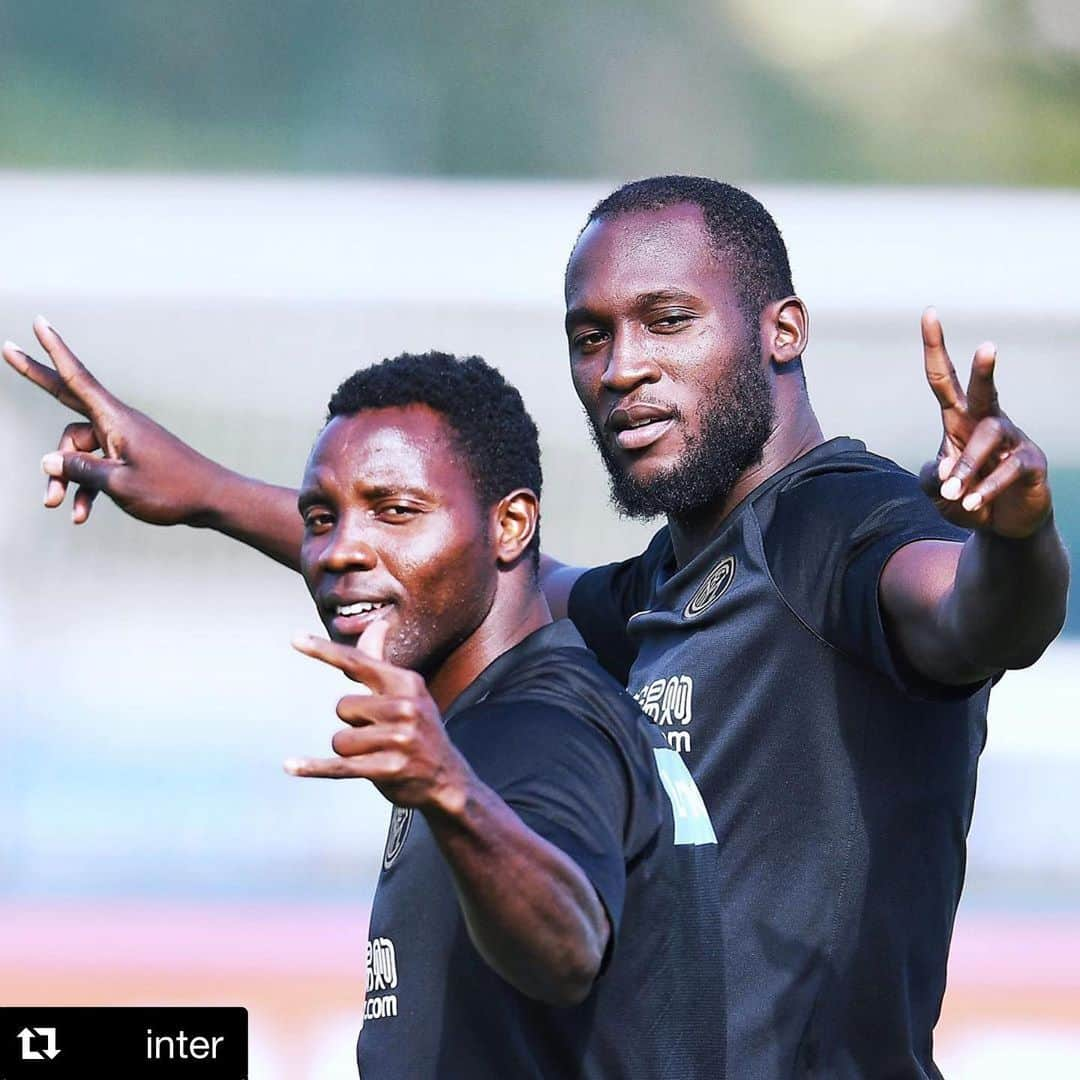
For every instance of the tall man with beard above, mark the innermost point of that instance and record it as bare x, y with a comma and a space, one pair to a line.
813, 633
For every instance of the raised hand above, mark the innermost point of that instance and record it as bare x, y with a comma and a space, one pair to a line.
143, 468
988, 474
396, 737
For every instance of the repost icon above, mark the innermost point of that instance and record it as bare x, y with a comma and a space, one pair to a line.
31, 1038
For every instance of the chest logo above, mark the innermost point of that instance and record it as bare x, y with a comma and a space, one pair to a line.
382, 975
669, 703
400, 820
714, 586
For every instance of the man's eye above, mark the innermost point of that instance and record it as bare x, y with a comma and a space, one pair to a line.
317, 520
591, 340
670, 322
398, 511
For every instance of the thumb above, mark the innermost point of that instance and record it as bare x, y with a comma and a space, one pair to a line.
372, 641
88, 470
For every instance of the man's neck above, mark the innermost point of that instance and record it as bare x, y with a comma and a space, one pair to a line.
519, 609
795, 431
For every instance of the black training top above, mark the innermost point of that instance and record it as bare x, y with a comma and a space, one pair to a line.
571, 753
839, 783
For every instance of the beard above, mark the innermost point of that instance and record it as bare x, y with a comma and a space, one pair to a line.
734, 423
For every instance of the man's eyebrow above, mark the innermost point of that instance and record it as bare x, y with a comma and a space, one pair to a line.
311, 495
641, 301
665, 296
384, 491
580, 314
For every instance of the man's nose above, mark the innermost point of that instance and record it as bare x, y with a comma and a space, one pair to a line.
350, 549
629, 364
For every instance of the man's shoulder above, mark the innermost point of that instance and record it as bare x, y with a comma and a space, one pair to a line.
837, 485
839, 462
567, 680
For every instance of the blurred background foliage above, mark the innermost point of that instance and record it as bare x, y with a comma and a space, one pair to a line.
903, 91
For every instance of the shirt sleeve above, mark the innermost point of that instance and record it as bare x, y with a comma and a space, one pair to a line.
603, 599
568, 781
827, 545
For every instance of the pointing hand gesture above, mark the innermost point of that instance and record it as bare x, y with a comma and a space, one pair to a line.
395, 736
988, 474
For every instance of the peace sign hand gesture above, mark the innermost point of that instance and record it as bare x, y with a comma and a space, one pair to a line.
147, 471
988, 474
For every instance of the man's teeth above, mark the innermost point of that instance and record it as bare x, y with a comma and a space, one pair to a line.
361, 607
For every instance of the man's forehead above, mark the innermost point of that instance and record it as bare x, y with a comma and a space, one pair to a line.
642, 251
407, 444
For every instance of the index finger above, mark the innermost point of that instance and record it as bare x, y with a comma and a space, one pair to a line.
982, 395
940, 373
42, 376
380, 676
71, 369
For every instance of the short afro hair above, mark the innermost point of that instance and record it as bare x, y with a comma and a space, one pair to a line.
491, 426
741, 229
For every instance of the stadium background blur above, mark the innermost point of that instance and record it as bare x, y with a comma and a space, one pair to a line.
228, 208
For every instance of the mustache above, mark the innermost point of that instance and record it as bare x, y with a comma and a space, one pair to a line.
671, 409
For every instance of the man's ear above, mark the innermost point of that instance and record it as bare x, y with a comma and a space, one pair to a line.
516, 518
786, 329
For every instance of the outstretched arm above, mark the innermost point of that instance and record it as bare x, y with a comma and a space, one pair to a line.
531, 911
157, 478
147, 471
960, 613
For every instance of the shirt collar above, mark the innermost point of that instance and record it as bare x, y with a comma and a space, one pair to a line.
561, 634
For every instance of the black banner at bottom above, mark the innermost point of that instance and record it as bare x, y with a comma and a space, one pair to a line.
50, 1042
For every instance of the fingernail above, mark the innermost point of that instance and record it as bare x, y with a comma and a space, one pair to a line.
45, 323
292, 765
12, 346
972, 501
52, 464
951, 488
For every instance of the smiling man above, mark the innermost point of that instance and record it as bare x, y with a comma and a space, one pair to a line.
810, 631
549, 888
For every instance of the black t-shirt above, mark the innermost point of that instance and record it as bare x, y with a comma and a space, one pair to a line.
839, 782
563, 744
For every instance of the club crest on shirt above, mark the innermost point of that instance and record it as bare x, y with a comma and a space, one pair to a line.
712, 588
400, 820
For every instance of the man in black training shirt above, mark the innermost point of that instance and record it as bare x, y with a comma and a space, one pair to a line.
548, 894
811, 631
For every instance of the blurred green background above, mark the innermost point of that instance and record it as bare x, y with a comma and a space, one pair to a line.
951, 91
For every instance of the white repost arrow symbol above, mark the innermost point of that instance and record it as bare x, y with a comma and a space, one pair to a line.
50, 1035
28, 1034
28, 1055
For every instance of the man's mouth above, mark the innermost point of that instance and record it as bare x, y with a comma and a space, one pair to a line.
351, 619
640, 425
361, 607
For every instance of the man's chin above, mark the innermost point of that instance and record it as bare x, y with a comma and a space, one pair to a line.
638, 492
